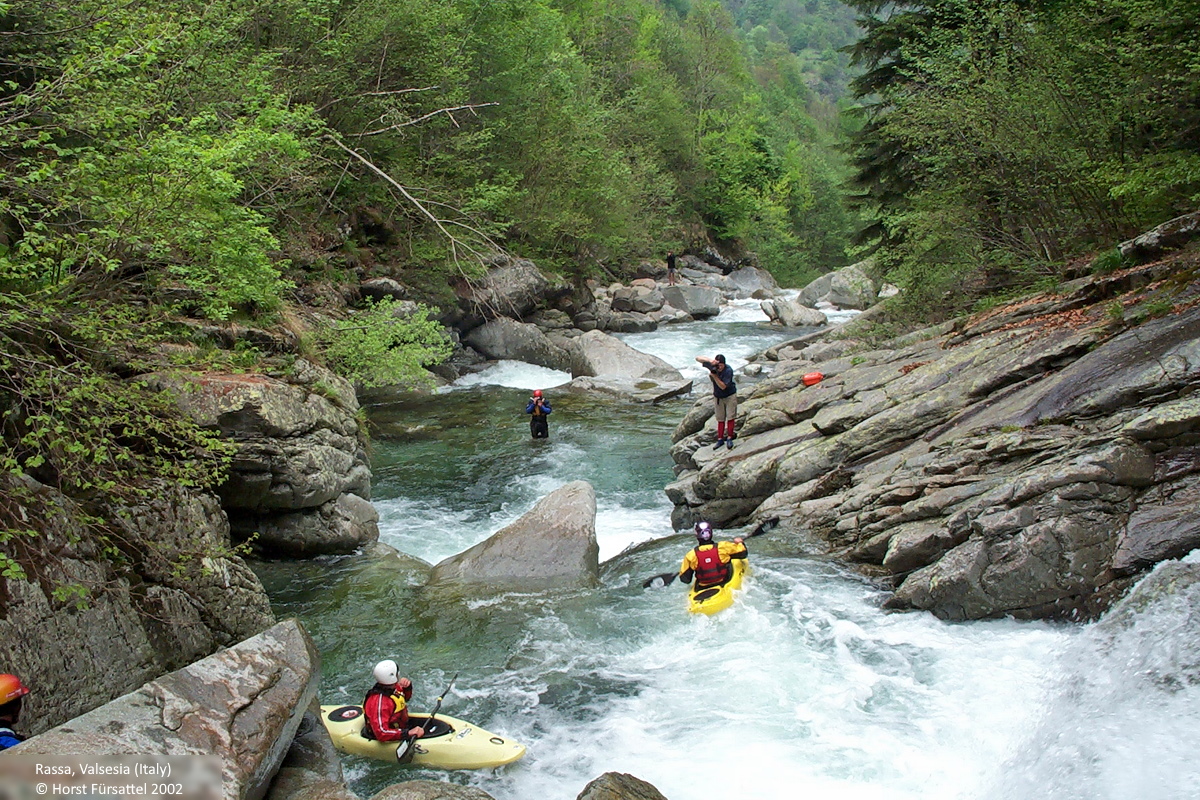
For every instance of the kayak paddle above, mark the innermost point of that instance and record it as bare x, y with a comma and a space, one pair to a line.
662, 579
442, 697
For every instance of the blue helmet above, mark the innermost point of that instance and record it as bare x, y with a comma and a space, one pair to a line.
704, 531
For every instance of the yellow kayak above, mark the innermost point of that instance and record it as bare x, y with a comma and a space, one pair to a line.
448, 743
718, 598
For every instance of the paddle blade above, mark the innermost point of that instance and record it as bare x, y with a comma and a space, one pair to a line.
659, 581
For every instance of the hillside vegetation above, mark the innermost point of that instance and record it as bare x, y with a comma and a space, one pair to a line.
1006, 140
171, 166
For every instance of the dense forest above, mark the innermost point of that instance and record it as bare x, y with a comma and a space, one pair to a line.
1005, 142
225, 160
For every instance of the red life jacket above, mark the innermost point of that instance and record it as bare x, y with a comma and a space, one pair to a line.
709, 569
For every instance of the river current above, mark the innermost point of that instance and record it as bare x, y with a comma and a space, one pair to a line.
805, 688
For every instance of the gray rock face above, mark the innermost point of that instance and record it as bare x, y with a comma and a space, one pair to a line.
1028, 462
848, 287
554, 544
619, 786
699, 301
180, 595
792, 313
300, 469
243, 704
512, 287
502, 338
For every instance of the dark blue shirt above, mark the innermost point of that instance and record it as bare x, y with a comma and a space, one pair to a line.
726, 376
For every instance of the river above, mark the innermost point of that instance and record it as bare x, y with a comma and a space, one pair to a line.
805, 688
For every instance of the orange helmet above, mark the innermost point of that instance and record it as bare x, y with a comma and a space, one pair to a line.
11, 688
537, 392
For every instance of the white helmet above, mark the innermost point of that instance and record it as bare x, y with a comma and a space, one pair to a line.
386, 672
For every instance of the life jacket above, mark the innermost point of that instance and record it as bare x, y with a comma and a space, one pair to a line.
709, 569
396, 697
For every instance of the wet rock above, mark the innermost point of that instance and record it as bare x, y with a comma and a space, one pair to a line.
504, 338
554, 544
619, 786
243, 704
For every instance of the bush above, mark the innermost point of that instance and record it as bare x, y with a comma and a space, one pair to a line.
383, 345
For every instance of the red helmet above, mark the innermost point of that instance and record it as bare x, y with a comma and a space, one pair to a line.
11, 688
537, 392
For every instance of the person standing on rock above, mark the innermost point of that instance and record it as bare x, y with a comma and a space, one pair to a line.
11, 692
385, 709
538, 408
671, 268
725, 395
710, 562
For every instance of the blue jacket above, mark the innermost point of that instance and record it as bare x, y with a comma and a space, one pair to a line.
8, 738
545, 406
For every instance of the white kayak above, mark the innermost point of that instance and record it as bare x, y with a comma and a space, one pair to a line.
448, 743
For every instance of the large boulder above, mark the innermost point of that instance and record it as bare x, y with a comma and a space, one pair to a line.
607, 356
512, 287
639, 298
753, 282
792, 313
699, 301
619, 786
606, 365
505, 338
848, 287
242, 705
554, 544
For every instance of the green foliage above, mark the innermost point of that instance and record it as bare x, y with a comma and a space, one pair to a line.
1109, 261
71, 419
381, 346
1005, 139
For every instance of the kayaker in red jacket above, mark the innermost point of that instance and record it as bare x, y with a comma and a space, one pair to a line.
386, 707
710, 561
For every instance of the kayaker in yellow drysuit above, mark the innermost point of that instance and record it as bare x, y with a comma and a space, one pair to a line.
709, 561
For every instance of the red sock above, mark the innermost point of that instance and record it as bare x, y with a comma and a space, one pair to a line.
720, 430
729, 429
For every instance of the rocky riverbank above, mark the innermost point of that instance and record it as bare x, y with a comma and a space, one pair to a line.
1032, 460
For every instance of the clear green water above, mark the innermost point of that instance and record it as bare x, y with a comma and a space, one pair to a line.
803, 688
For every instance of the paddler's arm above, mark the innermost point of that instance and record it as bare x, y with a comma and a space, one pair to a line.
688, 568
740, 552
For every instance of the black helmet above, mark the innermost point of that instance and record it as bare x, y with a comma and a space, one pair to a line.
704, 531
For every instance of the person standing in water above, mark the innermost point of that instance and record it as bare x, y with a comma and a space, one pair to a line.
725, 397
538, 409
